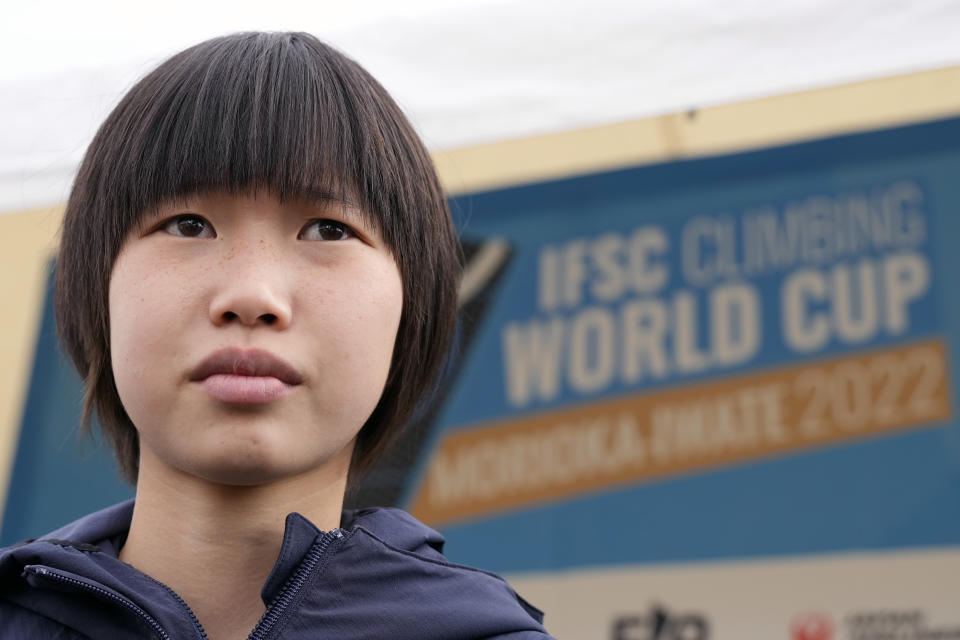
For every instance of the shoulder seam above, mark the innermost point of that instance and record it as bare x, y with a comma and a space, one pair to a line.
79, 546
442, 563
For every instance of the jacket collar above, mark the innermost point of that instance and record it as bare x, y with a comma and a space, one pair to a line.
90, 546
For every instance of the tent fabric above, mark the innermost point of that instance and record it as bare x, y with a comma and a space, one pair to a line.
476, 71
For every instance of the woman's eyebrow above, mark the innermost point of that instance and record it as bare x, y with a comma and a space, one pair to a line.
349, 205
319, 195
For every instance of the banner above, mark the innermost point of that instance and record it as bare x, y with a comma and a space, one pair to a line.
742, 359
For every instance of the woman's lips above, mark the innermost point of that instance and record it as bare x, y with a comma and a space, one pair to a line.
236, 389
245, 376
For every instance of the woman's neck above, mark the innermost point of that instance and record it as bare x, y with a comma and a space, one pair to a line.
215, 545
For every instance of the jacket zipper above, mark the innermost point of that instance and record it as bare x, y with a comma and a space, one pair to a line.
127, 604
278, 607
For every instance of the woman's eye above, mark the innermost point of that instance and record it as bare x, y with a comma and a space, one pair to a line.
325, 229
189, 225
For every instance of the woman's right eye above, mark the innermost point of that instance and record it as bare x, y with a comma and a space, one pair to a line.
189, 225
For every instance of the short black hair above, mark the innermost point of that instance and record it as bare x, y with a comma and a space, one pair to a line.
281, 112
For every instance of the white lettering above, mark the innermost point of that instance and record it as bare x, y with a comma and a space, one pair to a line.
906, 277
591, 350
855, 307
644, 340
688, 356
803, 329
735, 322
531, 356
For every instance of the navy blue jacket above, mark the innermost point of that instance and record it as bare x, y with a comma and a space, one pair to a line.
381, 575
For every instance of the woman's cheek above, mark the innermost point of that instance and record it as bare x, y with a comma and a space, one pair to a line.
145, 307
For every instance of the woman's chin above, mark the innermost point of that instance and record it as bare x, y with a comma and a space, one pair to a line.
243, 460
262, 466
249, 470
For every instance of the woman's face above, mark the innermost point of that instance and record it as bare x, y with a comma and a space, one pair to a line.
251, 339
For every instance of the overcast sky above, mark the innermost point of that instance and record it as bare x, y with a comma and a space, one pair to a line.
466, 71
39, 37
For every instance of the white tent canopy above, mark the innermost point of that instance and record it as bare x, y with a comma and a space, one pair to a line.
467, 72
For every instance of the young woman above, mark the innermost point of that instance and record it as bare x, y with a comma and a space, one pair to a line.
256, 281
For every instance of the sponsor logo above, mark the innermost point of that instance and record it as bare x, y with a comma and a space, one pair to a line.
661, 624
902, 624
811, 626
878, 624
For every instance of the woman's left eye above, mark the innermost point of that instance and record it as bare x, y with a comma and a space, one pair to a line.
189, 225
326, 229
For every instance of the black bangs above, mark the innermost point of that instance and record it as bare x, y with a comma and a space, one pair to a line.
254, 112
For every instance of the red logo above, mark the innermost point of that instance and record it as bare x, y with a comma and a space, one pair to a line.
811, 626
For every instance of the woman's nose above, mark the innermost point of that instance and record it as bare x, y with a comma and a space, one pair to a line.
254, 291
